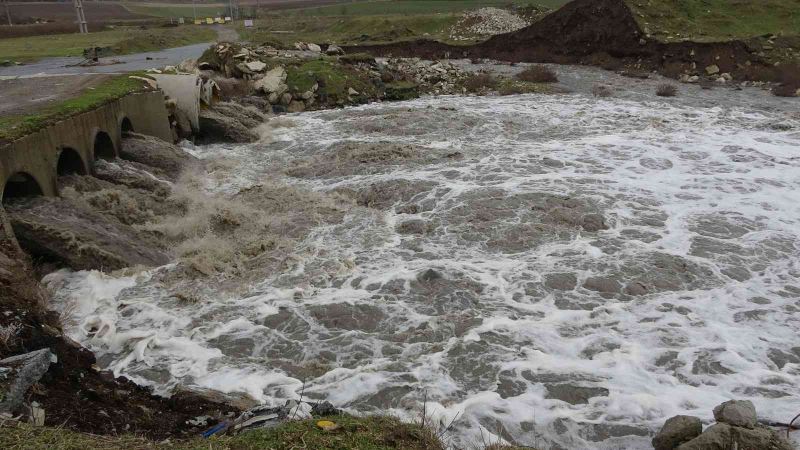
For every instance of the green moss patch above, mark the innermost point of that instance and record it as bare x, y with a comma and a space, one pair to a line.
333, 79
14, 127
715, 20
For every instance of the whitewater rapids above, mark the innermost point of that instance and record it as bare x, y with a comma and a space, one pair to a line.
555, 270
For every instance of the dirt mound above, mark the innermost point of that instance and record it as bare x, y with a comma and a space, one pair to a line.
597, 32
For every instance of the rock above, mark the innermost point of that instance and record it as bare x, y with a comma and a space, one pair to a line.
154, 152
63, 230
721, 80
603, 285
334, 49
351, 91
302, 46
574, 395
636, 288
740, 413
273, 97
25, 370
593, 222
324, 409
272, 81
676, 431
256, 66
229, 122
722, 436
307, 95
712, 69
37, 415
727, 76
694, 79
560, 281
401, 91
314, 48
296, 106
188, 66
286, 99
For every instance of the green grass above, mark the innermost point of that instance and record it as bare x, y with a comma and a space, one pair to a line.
14, 127
174, 11
416, 7
349, 30
334, 79
124, 40
371, 433
710, 20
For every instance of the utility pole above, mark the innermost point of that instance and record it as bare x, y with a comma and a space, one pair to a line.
82, 27
8, 13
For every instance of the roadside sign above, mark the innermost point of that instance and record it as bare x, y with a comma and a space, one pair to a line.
228, 19
248, 23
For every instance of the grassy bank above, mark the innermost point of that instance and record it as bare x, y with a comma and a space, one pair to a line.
716, 20
372, 433
169, 10
14, 127
373, 22
348, 30
381, 8
124, 40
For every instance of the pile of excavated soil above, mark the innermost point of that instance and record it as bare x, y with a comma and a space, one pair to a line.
597, 32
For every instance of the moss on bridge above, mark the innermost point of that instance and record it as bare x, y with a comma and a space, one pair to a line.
13, 127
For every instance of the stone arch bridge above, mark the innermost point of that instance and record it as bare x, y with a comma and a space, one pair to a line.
31, 165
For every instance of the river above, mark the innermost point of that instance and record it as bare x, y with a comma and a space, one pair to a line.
551, 269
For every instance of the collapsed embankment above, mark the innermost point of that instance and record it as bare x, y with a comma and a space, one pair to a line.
604, 33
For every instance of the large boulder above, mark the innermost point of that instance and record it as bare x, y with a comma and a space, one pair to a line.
65, 231
229, 122
17, 375
740, 413
722, 436
154, 152
676, 431
272, 82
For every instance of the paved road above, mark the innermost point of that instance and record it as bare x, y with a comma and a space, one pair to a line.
118, 64
127, 63
26, 95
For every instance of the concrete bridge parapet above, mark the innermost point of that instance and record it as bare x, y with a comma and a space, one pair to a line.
31, 165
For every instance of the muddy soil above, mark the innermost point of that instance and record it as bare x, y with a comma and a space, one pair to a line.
74, 393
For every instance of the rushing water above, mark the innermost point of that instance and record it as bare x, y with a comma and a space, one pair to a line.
559, 270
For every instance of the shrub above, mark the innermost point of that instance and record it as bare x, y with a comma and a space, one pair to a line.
601, 91
666, 90
480, 82
538, 74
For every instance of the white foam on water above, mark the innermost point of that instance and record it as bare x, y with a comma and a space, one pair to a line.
700, 201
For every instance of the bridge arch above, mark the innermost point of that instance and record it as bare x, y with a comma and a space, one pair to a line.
19, 185
70, 162
103, 147
126, 126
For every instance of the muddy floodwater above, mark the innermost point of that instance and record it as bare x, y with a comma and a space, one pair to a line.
556, 270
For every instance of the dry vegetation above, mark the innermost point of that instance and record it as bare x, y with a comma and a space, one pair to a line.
480, 83
666, 90
538, 74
